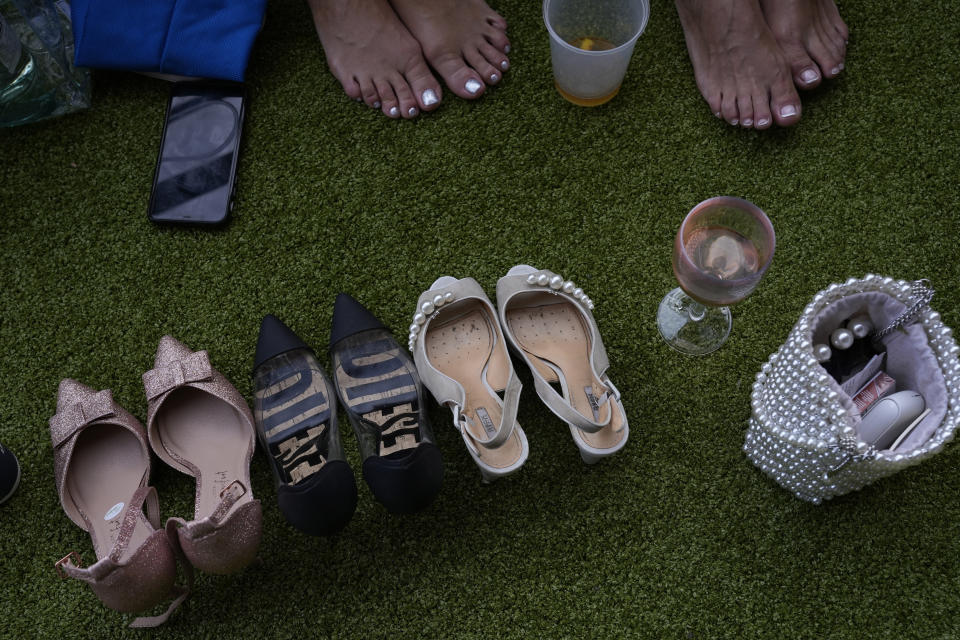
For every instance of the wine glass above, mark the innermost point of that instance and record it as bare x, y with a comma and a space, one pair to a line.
721, 251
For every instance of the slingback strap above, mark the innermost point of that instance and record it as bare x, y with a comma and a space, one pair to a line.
508, 419
148, 622
562, 408
69, 565
193, 368
144, 500
198, 528
67, 423
181, 592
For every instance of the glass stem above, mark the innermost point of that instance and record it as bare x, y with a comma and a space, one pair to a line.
696, 311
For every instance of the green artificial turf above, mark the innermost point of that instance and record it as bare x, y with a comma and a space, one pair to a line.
678, 536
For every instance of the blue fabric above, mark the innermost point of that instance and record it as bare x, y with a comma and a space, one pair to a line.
198, 38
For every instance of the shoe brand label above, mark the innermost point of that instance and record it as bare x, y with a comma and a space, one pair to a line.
114, 511
594, 405
487, 423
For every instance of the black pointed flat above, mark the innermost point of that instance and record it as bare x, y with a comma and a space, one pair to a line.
296, 420
380, 389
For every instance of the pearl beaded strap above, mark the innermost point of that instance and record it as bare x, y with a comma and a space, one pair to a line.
557, 283
425, 310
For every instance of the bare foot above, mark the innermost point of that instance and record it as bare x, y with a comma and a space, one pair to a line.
739, 67
812, 36
465, 41
374, 57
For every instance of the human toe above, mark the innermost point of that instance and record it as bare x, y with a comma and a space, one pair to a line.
407, 102
389, 104
428, 99
494, 56
494, 19
745, 110
833, 36
826, 56
728, 108
425, 88
489, 73
352, 88
713, 98
368, 93
785, 104
761, 111
787, 114
459, 78
832, 16
498, 39
806, 73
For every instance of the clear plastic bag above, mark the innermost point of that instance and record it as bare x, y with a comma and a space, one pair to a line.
37, 76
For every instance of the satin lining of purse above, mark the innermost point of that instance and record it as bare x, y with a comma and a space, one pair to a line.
910, 360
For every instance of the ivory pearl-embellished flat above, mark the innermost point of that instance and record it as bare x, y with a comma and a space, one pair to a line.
462, 358
548, 320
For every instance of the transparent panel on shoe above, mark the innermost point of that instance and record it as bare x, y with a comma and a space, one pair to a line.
294, 409
379, 386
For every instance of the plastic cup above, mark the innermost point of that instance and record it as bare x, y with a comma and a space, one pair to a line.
590, 45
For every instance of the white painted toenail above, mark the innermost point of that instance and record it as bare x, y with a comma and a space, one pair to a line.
429, 97
762, 122
788, 111
506, 49
494, 77
734, 122
376, 105
809, 75
717, 114
412, 111
834, 71
748, 122
504, 65
840, 66
394, 112
472, 86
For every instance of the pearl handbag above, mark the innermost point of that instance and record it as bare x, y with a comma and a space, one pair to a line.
803, 428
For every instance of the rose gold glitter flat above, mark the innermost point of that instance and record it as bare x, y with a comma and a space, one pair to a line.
102, 466
198, 423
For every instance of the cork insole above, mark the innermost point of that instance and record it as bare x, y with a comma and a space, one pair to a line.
461, 346
294, 413
377, 383
106, 468
208, 434
555, 337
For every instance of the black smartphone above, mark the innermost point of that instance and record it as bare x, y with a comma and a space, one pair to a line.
196, 170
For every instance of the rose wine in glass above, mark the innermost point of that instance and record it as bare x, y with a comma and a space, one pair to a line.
723, 248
